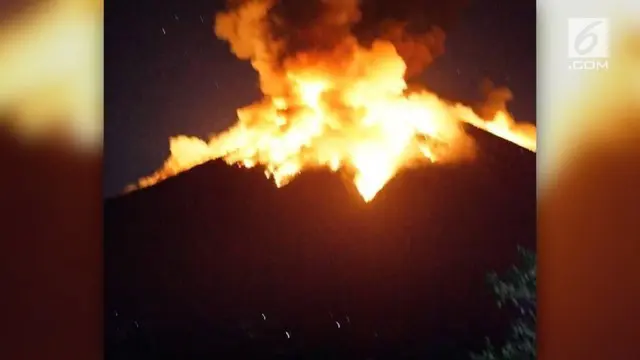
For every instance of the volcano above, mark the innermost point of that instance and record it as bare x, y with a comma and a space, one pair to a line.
217, 260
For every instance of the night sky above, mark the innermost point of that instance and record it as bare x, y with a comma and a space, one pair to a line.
167, 74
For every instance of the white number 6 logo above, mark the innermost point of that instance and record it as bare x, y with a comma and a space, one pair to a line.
586, 35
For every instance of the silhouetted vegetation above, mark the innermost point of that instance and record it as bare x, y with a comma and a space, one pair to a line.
518, 290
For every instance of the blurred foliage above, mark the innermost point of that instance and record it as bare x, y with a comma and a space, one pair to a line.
517, 289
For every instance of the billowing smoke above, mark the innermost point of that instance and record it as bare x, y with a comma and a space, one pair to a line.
495, 99
415, 27
271, 32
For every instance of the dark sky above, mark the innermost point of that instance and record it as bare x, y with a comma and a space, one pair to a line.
167, 74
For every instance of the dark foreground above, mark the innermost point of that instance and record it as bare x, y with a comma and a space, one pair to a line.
217, 263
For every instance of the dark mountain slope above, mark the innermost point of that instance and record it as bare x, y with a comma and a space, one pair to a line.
206, 252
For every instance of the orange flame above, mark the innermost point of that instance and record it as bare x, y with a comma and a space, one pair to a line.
345, 109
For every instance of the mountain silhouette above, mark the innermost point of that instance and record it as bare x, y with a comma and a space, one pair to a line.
217, 260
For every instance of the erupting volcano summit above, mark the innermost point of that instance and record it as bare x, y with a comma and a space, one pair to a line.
333, 100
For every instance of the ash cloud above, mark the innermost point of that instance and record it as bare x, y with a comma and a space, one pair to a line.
271, 31
495, 99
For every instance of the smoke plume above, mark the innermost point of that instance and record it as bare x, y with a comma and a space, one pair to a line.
271, 32
495, 99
